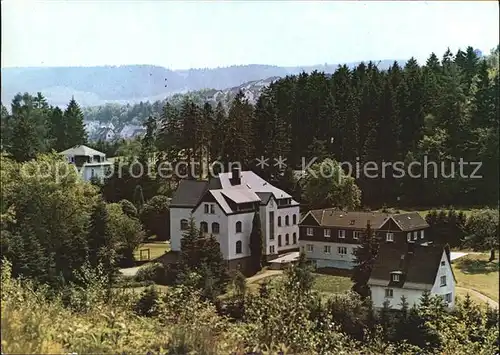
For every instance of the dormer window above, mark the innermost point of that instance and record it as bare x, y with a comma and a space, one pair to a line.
389, 237
351, 222
395, 277
408, 237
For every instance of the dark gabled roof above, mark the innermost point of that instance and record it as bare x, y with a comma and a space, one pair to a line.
419, 266
331, 217
188, 193
409, 221
264, 197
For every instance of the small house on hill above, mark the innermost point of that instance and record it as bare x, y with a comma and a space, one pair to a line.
410, 273
89, 162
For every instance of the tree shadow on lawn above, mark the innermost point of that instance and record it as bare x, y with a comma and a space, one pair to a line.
474, 266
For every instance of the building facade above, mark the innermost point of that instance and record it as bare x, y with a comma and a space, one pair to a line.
225, 207
329, 237
89, 162
410, 273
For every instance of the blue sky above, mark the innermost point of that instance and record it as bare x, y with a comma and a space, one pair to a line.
193, 34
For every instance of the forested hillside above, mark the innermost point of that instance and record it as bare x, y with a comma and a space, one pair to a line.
93, 86
442, 112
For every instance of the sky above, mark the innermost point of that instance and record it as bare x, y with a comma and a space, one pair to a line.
195, 34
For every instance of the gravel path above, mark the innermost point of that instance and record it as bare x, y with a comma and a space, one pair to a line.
479, 295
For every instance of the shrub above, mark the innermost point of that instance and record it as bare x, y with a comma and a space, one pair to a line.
147, 304
158, 273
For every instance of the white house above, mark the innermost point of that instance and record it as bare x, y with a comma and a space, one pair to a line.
225, 207
329, 237
410, 273
89, 162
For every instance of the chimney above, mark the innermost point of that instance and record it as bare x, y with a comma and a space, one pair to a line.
235, 176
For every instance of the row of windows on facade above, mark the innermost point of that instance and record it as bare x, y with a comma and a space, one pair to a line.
327, 249
389, 293
287, 239
210, 209
356, 234
239, 249
216, 226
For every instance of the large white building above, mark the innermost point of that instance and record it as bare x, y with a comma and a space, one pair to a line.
225, 207
89, 162
410, 273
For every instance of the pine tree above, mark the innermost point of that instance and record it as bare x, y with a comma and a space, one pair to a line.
58, 130
138, 198
75, 129
26, 143
100, 248
365, 256
238, 140
218, 132
257, 244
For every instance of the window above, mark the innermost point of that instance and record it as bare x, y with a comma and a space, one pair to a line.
309, 232
184, 224
279, 221
395, 277
287, 221
310, 248
328, 249
421, 234
408, 236
415, 235
238, 247
326, 233
356, 234
294, 238
279, 240
389, 237
443, 263
389, 293
443, 281
209, 208
294, 219
271, 203
204, 227
271, 249
287, 239
342, 250
215, 228
351, 222
341, 233
238, 227
447, 297
271, 237
92, 172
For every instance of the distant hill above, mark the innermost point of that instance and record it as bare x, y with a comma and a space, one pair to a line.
92, 86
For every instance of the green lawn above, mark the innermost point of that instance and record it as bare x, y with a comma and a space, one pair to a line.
156, 249
473, 271
324, 284
332, 284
